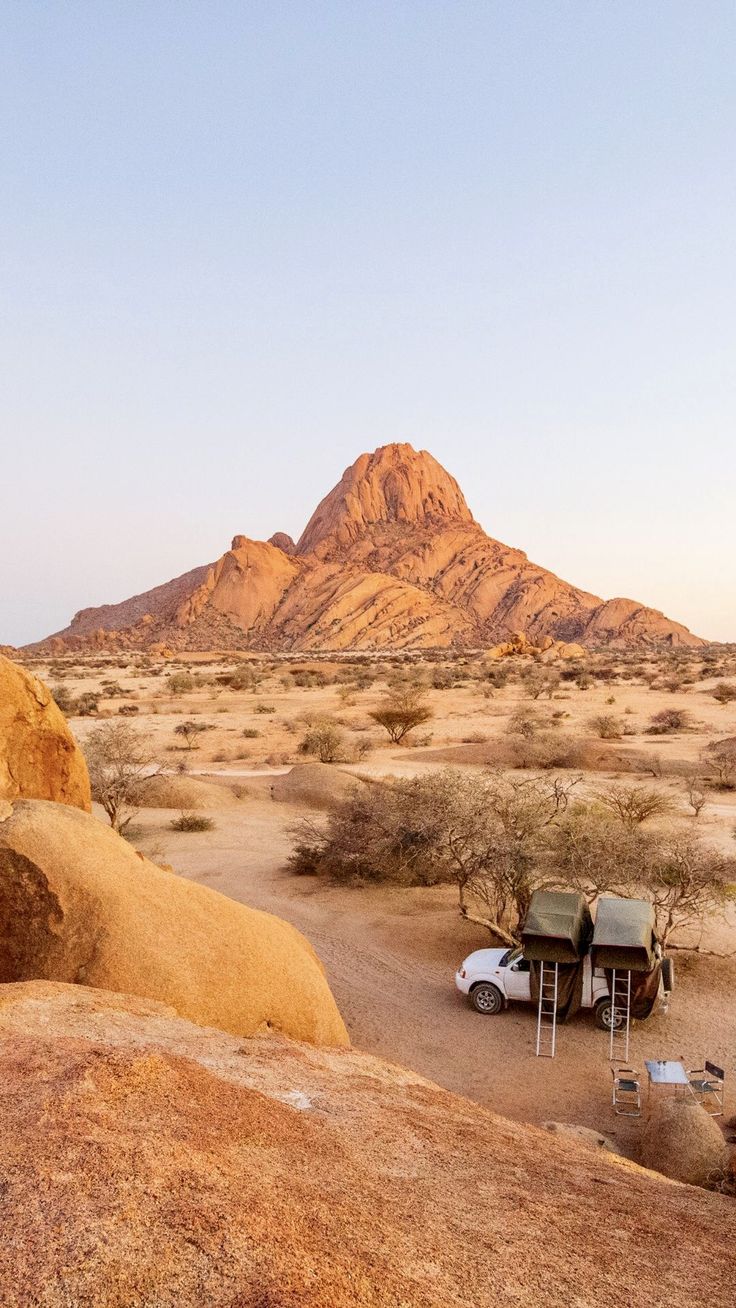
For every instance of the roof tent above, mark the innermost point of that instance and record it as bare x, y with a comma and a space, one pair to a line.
558, 927
624, 935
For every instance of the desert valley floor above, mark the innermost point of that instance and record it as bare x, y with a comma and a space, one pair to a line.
389, 952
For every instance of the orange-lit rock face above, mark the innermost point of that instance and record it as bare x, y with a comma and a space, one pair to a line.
149, 1161
391, 558
396, 484
79, 904
39, 757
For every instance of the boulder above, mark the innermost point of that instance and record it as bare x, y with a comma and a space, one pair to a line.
683, 1142
149, 1162
78, 904
39, 757
190, 794
317, 785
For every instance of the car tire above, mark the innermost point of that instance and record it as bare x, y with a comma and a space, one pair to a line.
603, 1015
486, 999
668, 974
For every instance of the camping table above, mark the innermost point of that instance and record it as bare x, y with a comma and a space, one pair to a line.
665, 1071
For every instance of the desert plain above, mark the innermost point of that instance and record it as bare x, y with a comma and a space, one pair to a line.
390, 951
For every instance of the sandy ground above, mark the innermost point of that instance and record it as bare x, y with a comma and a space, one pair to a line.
390, 954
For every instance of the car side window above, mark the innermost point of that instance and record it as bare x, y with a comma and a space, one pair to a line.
522, 965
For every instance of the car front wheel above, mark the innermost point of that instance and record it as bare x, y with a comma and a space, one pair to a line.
486, 998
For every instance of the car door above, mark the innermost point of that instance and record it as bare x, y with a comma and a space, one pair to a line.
518, 979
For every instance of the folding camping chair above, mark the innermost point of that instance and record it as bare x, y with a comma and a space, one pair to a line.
706, 1086
626, 1092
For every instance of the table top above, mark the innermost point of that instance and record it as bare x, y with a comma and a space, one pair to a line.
665, 1071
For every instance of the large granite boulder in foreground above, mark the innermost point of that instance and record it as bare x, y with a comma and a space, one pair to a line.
78, 904
39, 757
148, 1163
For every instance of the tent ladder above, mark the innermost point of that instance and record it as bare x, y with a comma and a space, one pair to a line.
620, 1016
547, 1011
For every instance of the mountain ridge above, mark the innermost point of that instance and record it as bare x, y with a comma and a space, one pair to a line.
392, 557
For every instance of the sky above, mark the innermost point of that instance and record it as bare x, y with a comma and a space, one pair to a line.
242, 243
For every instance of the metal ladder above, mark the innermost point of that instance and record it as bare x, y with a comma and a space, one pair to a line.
620, 1016
547, 1011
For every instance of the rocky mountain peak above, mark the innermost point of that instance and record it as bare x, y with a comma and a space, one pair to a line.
396, 483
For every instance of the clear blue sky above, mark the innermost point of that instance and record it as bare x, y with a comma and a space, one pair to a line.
243, 242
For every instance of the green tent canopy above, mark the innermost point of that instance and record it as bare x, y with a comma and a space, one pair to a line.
624, 935
558, 927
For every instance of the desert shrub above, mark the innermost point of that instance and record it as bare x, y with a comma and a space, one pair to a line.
538, 681
180, 682
632, 805
497, 677
402, 710
585, 681
445, 678
242, 678
119, 760
325, 740
191, 822
606, 726
264, 708
251, 733
64, 699
668, 721
719, 763
524, 722
694, 794
128, 710
725, 692
86, 705
546, 750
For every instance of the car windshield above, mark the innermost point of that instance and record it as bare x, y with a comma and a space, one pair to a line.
511, 956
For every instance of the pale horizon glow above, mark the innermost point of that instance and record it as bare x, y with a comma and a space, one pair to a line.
244, 243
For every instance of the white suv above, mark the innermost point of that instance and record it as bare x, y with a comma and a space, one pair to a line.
491, 977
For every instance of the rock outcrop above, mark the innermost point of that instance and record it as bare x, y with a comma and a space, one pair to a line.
150, 1162
188, 794
78, 904
391, 558
318, 785
547, 651
39, 757
682, 1141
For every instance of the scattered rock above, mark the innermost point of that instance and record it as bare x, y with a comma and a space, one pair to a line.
78, 904
39, 757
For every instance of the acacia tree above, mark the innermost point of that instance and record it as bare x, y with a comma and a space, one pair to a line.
403, 709
191, 731
687, 882
719, 762
119, 760
486, 834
